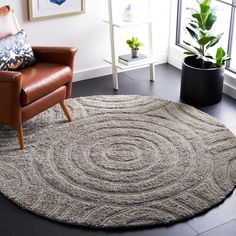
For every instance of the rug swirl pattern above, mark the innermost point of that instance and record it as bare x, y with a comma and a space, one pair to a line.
124, 161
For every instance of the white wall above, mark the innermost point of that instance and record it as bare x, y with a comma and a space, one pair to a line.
89, 34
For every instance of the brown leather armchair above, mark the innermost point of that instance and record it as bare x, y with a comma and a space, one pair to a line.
26, 93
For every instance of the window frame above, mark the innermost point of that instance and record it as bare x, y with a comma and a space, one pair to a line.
231, 30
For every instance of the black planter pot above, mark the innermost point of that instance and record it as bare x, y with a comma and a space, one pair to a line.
200, 87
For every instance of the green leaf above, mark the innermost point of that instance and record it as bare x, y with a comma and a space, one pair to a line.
202, 33
220, 53
215, 41
205, 40
189, 53
192, 33
206, 2
204, 13
193, 21
197, 16
207, 14
210, 21
189, 44
205, 8
193, 25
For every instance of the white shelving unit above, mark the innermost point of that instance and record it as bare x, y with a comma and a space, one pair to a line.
114, 58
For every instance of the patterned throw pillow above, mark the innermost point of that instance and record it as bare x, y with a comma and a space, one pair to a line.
16, 52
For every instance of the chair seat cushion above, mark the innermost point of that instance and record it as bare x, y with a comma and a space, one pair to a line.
41, 79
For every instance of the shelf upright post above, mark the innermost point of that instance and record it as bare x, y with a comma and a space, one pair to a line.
150, 36
113, 52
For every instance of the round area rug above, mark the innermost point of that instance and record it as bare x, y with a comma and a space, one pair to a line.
124, 161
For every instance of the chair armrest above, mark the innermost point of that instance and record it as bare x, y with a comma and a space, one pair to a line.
10, 76
58, 55
10, 102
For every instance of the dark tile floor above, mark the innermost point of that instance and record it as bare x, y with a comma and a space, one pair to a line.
220, 221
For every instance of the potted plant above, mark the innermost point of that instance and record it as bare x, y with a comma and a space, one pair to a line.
134, 44
202, 74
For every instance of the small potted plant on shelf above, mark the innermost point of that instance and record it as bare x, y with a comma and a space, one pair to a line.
203, 74
134, 44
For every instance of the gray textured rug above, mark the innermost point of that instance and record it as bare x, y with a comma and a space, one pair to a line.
124, 161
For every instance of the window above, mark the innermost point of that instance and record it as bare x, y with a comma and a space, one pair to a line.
233, 61
226, 23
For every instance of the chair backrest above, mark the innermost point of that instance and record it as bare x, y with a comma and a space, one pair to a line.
8, 22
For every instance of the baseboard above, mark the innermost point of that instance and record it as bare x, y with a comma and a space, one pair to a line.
106, 70
91, 73
229, 90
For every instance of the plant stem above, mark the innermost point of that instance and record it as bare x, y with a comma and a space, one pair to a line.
203, 53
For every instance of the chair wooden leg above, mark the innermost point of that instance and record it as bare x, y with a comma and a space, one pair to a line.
66, 111
20, 137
